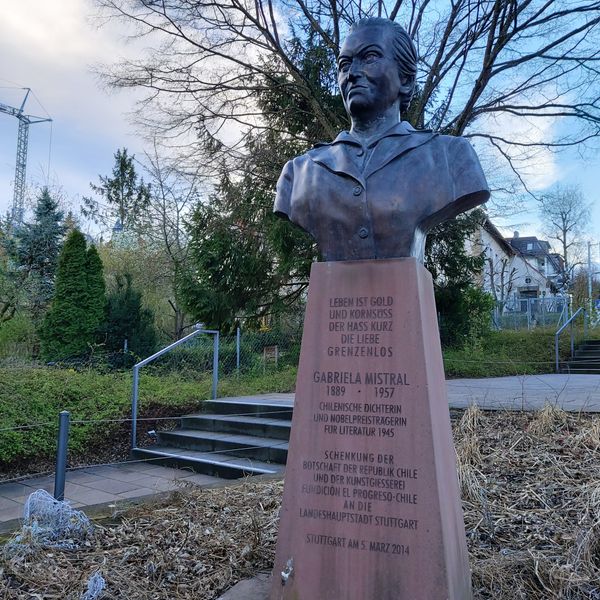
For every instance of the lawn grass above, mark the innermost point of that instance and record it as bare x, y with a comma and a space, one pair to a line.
503, 353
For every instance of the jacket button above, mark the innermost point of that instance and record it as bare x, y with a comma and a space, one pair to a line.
363, 232
357, 191
360, 152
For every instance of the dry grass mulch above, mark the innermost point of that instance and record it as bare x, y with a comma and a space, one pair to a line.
531, 494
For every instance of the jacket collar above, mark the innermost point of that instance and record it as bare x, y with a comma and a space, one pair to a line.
337, 156
402, 128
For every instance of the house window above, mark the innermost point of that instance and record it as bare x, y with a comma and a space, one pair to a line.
529, 245
527, 280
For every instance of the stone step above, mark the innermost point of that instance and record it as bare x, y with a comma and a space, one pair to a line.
244, 425
583, 364
588, 349
247, 446
214, 464
581, 369
250, 407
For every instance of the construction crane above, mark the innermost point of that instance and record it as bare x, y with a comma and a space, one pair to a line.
18, 206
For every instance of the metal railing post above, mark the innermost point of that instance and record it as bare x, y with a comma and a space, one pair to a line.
134, 405
60, 475
136, 368
237, 349
570, 324
215, 377
572, 340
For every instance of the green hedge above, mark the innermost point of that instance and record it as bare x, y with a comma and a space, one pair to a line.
35, 396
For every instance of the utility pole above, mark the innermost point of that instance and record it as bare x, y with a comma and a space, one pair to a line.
18, 206
590, 276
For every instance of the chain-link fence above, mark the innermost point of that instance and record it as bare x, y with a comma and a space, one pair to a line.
206, 356
529, 313
239, 352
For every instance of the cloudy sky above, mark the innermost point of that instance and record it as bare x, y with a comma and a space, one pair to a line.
51, 47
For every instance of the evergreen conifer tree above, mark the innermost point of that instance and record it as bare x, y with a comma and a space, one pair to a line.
71, 324
128, 320
96, 287
34, 254
39, 243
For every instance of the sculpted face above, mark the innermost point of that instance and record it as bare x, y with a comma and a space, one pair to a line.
367, 72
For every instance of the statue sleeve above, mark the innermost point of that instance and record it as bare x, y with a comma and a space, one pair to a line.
463, 178
283, 196
470, 185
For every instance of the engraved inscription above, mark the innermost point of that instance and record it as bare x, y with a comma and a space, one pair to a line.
360, 401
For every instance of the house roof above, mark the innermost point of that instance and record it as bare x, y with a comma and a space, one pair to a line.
498, 237
539, 247
511, 250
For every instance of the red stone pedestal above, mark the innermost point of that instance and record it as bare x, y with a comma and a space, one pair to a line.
371, 507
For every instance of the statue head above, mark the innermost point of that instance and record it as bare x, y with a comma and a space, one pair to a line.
377, 66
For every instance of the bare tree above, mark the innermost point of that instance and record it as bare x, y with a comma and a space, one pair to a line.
481, 61
173, 195
565, 214
501, 275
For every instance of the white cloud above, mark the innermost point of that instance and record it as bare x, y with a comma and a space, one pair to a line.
537, 165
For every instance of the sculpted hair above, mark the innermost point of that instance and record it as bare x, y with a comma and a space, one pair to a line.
405, 53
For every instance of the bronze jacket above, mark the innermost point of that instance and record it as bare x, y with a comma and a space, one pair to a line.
380, 201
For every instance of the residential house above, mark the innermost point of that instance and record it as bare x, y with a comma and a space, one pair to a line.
517, 270
540, 256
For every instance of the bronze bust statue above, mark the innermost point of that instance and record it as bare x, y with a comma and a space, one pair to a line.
375, 191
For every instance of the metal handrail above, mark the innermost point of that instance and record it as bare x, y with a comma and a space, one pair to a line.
570, 323
136, 372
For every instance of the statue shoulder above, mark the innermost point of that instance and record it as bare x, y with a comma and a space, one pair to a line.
456, 144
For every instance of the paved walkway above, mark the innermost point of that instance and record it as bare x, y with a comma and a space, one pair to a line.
95, 486
117, 484
574, 393
529, 392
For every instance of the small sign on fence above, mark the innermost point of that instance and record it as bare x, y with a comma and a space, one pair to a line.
271, 354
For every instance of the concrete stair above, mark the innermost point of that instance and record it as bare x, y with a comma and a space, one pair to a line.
586, 359
231, 438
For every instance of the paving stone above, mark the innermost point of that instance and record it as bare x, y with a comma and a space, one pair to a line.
158, 484
139, 492
83, 477
200, 479
91, 497
6, 503
164, 471
14, 490
40, 483
8, 513
256, 588
148, 467
170, 473
125, 475
103, 471
113, 486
